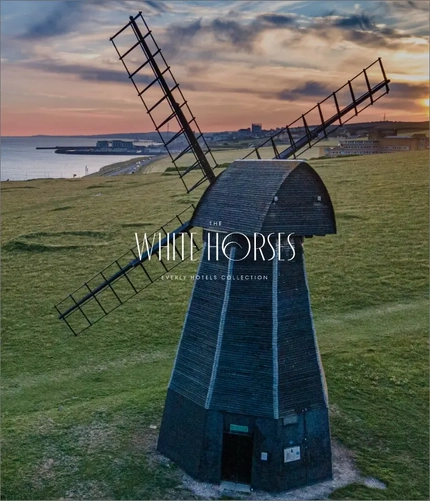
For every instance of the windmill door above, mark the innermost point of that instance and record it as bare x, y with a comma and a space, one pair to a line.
237, 458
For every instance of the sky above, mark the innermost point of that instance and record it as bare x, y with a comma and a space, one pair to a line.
237, 62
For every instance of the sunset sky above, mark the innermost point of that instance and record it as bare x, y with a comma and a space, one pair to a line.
237, 62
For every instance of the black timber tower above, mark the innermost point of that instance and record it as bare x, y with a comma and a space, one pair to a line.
247, 400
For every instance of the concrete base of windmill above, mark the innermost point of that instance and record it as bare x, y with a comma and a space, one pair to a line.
344, 473
234, 486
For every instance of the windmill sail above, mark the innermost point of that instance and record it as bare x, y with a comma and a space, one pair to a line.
164, 102
167, 108
156, 86
335, 110
130, 274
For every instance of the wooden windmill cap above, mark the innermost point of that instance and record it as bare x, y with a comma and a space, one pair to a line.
267, 196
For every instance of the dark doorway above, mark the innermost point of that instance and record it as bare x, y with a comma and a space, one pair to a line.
237, 458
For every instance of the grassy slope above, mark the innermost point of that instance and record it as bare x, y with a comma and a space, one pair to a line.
77, 411
228, 155
221, 156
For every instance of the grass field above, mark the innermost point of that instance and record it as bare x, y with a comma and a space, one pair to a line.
78, 414
229, 155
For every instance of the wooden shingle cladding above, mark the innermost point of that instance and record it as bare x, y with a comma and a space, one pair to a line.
244, 380
301, 376
267, 196
248, 360
193, 438
192, 370
248, 346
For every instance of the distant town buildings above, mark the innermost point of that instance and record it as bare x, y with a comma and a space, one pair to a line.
385, 144
243, 133
115, 144
256, 129
359, 139
254, 132
126, 147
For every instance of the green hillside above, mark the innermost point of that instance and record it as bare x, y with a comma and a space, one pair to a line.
78, 413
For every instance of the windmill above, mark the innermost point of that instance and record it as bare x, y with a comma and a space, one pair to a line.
246, 401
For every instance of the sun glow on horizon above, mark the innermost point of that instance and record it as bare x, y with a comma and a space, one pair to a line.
269, 64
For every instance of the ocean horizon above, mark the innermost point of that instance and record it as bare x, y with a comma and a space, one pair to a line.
21, 161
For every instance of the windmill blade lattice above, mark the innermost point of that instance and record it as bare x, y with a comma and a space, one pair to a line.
165, 104
340, 106
130, 274
164, 101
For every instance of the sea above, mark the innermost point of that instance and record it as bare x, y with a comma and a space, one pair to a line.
20, 160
